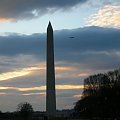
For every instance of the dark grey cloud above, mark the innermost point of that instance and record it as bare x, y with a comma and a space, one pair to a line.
27, 9
90, 46
84, 39
21, 44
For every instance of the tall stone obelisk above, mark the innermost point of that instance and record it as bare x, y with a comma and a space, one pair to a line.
50, 93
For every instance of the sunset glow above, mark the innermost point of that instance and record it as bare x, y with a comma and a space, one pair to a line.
58, 87
17, 73
27, 71
41, 93
6, 19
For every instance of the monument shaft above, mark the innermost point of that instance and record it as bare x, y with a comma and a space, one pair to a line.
51, 94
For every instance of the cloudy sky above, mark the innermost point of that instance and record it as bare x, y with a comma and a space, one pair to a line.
87, 41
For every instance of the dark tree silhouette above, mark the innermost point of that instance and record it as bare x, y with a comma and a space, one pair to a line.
101, 96
25, 110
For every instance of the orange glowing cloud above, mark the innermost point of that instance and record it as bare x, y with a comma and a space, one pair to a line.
6, 19
30, 70
59, 68
31, 89
82, 74
69, 87
58, 87
3, 93
17, 73
74, 74
40, 93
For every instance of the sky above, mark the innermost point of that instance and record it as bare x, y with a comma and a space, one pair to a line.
86, 39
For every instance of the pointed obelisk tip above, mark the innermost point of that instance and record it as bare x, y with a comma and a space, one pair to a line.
49, 25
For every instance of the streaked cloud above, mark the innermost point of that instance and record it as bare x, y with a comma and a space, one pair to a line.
61, 68
26, 94
58, 87
41, 93
29, 70
17, 73
70, 74
107, 16
83, 74
22, 91
31, 89
69, 87
3, 93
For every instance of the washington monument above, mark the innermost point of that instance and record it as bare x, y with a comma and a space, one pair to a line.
50, 93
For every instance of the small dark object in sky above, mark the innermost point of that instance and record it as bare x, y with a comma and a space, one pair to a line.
71, 37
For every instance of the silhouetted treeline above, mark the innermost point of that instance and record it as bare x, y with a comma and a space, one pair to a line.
24, 112
101, 96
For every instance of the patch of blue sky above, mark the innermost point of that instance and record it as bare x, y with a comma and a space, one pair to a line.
73, 18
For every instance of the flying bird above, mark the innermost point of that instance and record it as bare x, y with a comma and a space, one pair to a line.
71, 37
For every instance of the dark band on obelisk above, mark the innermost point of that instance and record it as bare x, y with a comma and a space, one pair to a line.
51, 93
